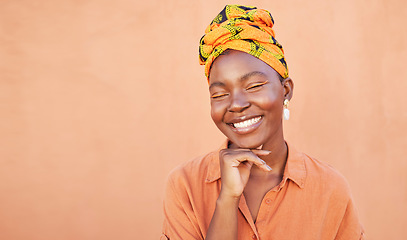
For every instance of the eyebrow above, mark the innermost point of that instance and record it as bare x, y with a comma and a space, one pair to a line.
220, 84
250, 74
241, 79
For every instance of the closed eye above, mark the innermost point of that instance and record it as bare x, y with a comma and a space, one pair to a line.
256, 86
220, 95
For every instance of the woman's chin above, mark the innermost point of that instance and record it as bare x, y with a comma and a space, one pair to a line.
245, 145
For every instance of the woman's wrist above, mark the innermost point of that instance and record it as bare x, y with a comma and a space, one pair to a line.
229, 200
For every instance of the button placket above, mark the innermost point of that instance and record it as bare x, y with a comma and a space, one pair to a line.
265, 209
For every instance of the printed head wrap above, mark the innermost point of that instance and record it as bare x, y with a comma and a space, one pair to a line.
246, 29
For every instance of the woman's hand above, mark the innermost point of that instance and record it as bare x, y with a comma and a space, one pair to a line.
235, 166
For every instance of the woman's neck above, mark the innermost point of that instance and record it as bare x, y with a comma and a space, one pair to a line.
276, 159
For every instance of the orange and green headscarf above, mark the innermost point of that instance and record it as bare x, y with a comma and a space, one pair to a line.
246, 29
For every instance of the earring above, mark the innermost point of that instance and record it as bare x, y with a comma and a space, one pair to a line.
286, 112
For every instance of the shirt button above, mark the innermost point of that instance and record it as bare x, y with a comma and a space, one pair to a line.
268, 200
254, 236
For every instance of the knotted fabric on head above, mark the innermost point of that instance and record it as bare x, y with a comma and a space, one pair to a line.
246, 29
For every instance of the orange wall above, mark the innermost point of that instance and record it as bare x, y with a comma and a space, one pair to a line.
101, 99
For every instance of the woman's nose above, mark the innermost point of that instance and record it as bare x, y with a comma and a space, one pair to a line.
238, 103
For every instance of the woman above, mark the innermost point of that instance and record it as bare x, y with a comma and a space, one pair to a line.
255, 186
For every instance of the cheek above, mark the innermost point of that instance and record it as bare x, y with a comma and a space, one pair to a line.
271, 103
216, 113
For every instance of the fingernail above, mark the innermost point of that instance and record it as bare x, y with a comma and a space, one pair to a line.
262, 161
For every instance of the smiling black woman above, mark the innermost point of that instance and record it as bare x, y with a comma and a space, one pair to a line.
256, 185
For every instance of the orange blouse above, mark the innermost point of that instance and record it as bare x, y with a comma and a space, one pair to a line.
313, 201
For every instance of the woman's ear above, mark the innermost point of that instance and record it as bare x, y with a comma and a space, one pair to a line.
288, 86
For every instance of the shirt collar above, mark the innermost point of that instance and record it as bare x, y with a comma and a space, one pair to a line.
294, 170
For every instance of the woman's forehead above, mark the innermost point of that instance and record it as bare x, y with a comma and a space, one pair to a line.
239, 65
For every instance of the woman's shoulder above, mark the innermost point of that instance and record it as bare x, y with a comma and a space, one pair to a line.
321, 175
194, 170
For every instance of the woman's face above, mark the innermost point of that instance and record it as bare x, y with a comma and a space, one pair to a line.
247, 99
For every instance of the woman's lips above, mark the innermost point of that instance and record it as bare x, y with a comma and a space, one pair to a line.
246, 126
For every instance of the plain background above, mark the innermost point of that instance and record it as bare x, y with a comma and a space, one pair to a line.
100, 99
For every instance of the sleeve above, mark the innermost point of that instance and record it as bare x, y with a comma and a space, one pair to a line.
350, 227
179, 219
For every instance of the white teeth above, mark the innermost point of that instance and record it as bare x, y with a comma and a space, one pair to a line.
247, 123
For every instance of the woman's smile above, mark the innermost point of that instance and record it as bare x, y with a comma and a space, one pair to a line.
245, 124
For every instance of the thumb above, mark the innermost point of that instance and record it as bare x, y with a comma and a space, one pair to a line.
261, 152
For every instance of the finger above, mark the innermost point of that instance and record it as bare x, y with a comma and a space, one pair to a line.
260, 152
247, 164
254, 159
238, 156
265, 167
